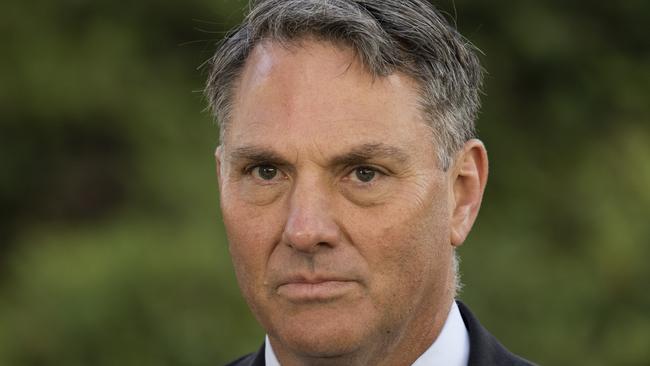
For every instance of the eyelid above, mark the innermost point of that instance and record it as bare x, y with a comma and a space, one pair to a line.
248, 168
374, 167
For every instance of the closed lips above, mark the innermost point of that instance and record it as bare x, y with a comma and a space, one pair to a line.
315, 289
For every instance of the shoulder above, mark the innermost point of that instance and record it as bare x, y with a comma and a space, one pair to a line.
242, 361
252, 359
485, 349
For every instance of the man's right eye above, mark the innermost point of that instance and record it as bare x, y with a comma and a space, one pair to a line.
264, 172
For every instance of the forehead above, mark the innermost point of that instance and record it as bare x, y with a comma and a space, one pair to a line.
321, 93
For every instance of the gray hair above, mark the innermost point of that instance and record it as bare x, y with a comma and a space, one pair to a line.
457, 284
407, 36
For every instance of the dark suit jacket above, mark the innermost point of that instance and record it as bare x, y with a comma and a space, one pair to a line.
484, 349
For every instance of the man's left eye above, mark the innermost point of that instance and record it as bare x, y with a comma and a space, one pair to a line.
265, 172
365, 174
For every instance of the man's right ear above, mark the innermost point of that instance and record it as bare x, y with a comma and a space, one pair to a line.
218, 155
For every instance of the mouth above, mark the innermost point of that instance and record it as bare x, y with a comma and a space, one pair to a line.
315, 290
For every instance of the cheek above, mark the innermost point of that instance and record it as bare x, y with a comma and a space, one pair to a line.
261, 195
406, 244
411, 270
252, 234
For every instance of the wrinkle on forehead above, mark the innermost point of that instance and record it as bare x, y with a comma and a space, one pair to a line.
316, 95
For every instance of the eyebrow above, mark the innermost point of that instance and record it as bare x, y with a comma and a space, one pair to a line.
370, 151
258, 154
357, 155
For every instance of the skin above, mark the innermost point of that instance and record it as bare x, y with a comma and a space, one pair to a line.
341, 225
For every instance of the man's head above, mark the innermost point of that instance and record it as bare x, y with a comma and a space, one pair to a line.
348, 173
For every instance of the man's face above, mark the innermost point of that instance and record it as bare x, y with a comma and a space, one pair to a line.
337, 214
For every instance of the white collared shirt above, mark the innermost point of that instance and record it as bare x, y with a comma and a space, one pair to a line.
451, 348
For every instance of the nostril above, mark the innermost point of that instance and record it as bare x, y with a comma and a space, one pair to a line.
301, 240
310, 235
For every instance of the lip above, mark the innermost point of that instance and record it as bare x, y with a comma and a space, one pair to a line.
315, 289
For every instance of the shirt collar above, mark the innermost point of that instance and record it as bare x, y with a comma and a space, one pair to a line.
451, 348
269, 355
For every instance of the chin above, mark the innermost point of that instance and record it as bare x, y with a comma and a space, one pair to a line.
323, 344
322, 333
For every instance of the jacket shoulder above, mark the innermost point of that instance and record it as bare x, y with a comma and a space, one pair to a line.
484, 348
251, 359
243, 361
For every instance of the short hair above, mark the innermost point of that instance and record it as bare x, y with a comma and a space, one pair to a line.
407, 36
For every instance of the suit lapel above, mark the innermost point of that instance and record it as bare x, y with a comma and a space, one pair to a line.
484, 349
259, 359
252, 359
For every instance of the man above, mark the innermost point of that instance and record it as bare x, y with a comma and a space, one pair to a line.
349, 173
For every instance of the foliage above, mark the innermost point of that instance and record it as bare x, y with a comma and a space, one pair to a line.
111, 246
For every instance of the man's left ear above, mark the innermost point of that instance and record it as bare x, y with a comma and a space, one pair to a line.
468, 179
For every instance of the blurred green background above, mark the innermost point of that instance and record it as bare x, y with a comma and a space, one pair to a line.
112, 251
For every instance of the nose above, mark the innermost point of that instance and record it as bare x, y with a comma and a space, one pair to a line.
310, 225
